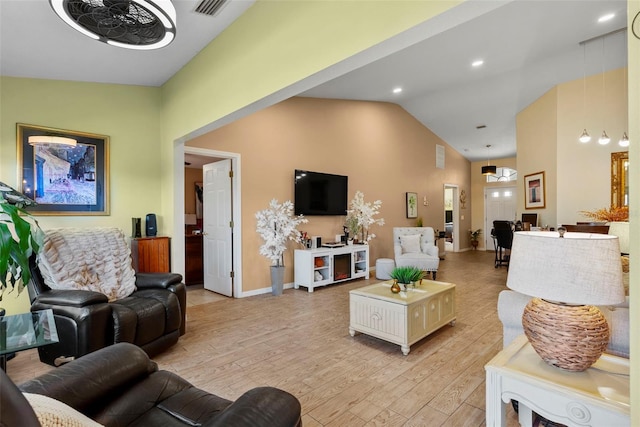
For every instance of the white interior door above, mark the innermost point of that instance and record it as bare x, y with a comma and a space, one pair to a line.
217, 214
499, 204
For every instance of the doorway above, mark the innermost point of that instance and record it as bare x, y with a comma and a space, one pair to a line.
499, 204
178, 248
451, 218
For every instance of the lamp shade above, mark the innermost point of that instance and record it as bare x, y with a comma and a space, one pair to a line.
489, 170
621, 230
190, 219
579, 268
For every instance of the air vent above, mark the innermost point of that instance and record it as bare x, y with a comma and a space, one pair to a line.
210, 7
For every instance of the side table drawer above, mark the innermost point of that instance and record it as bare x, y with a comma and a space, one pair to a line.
379, 319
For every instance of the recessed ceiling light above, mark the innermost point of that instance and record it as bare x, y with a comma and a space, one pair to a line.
397, 90
606, 17
477, 63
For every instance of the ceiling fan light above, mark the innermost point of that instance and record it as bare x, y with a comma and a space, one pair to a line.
585, 137
51, 140
130, 24
624, 141
489, 170
604, 138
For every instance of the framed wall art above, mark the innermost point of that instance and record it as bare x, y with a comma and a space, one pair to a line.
65, 172
534, 191
412, 205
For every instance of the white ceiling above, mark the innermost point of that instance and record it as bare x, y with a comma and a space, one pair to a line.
528, 47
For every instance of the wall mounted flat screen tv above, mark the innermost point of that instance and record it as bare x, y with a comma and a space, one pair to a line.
320, 193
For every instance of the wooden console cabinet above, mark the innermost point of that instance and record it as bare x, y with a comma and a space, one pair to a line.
324, 266
150, 254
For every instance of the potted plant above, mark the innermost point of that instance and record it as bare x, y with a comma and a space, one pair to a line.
361, 216
277, 225
474, 235
406, 275
20, 237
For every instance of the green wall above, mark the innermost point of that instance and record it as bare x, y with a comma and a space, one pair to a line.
129, 115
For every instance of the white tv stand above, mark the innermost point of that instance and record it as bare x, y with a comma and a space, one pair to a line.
319, 267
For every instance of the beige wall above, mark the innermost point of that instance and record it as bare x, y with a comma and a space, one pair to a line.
383, 150
536, 141
578, 176
588, 187
129, 115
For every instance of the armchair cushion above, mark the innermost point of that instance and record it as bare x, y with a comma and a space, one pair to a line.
95, 259
410, 244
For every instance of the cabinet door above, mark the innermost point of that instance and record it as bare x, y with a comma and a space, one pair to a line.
150, 254
322, 269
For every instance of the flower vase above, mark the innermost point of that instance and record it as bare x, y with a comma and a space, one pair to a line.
395, 288
277, 279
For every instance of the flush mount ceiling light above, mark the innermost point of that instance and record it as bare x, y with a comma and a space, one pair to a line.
397, 90
51, 140
131, 24
477, 63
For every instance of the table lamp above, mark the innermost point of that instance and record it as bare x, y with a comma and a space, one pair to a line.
567, 276
620, 229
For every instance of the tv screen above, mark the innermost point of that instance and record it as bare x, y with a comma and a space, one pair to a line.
320, 193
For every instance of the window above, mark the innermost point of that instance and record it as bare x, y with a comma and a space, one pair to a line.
503, 175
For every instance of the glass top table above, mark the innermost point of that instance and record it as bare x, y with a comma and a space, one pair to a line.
24, 331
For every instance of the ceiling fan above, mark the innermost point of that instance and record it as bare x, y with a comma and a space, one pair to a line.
131, 24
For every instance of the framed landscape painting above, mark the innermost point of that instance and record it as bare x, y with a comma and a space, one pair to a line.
534, 191
412, 205
65, 172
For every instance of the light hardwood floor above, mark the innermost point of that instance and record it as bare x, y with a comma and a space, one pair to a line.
300, 342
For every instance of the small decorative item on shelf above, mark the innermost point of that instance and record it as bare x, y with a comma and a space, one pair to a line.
395, 288
406, 275
361, 216
277, 225
317, 276
474, 236
319, 262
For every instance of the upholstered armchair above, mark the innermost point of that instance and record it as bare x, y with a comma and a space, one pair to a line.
415, 247
86, 277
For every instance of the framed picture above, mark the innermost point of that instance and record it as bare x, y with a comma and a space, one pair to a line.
534, 191
412, 205
199, 192
65, 172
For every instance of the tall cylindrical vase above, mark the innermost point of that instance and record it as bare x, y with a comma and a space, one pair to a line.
277, 279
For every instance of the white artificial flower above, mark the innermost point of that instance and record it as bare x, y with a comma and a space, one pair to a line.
276, 225
363, 214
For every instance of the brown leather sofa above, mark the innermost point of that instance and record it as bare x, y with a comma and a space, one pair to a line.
152, 317
120, 386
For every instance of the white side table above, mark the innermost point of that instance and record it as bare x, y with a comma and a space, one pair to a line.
598, 396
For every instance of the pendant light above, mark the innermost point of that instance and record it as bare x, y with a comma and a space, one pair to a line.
489, 169
585, 137
604, 138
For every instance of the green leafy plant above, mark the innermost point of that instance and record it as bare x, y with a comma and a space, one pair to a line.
20, 237
475, 234
406, 274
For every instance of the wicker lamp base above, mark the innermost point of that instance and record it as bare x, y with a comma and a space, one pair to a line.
571, 337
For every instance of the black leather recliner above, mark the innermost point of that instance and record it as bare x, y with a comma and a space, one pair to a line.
120, 386
153, 317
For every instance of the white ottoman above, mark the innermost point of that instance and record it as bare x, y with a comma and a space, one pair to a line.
384, 266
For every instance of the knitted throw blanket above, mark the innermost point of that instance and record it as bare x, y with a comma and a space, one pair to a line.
95, 259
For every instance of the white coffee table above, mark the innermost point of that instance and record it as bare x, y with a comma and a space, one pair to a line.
402, 318
598, 396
